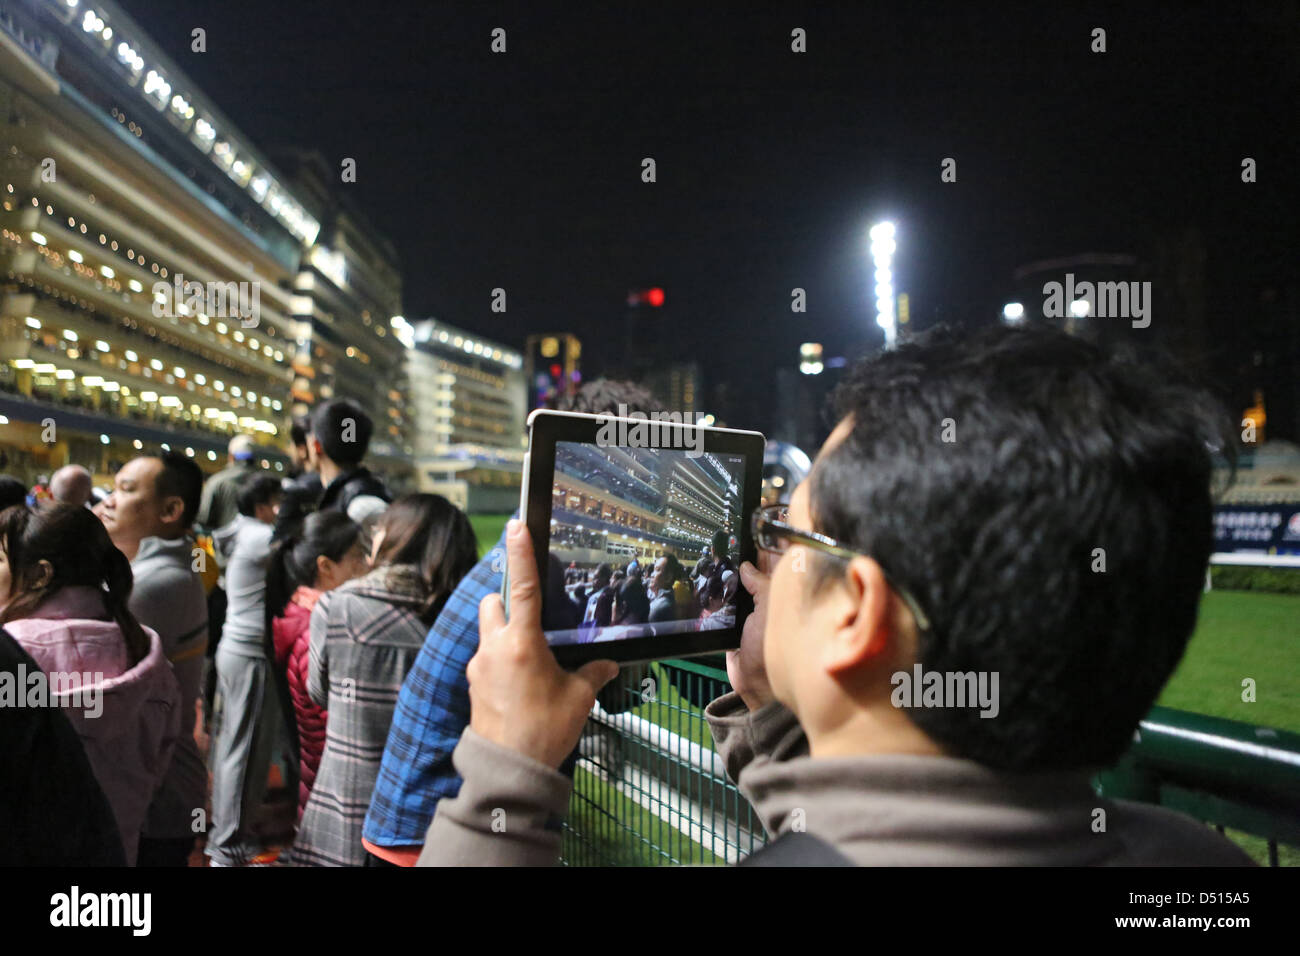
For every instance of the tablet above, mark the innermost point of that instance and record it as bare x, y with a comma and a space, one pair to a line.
640, 527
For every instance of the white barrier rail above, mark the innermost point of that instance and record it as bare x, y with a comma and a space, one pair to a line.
1256, 559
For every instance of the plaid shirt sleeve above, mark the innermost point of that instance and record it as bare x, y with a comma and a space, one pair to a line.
432, 712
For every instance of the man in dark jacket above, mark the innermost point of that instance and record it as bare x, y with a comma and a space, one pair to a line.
936, 664
340, 437
303, 489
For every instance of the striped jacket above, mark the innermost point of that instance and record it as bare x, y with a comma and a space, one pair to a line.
365, 636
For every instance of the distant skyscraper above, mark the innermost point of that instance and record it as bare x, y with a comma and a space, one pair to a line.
467, 392
678, 385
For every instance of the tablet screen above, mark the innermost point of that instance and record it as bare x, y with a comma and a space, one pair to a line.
644, 542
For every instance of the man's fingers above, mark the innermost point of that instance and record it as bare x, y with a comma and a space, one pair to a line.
525, 589
597, 674
753, 579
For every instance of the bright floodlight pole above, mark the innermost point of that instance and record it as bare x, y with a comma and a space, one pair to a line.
882, 255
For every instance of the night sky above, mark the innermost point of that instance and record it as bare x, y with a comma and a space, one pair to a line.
522, 170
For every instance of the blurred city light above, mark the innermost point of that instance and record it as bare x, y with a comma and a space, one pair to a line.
1013, 312
810, 358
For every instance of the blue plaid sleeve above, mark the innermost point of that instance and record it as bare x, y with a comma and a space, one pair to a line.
432, 712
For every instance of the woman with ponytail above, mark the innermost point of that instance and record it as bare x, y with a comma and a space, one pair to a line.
63, 596
314, 556
364, 639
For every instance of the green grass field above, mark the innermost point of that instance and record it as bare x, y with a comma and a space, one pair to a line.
1242, 634
609, 829
487, 528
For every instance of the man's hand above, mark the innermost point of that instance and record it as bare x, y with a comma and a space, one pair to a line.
519, 696
746, 667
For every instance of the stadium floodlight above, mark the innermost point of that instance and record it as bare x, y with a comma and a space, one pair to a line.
883, 248
1079, 308
1013, 312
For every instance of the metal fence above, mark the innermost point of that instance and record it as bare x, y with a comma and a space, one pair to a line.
648, 788
650, 791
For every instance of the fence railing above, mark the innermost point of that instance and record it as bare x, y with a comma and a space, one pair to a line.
1222, 771
649, 789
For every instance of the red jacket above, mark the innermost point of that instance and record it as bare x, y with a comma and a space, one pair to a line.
292, 637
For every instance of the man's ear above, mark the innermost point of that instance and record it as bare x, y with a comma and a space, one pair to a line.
173, 509
863, 626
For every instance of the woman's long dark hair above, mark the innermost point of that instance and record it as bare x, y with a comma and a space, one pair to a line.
293, 556
431, 533
80, 553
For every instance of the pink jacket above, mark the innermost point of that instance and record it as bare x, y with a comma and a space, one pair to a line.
128, 718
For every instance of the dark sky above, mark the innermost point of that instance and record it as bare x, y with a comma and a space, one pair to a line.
523, 170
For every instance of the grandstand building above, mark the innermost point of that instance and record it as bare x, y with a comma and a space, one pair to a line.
621, 504
469, 393
162, 284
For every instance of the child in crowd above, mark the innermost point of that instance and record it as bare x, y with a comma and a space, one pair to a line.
314, 556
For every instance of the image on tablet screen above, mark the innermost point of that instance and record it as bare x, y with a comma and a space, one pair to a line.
644, 542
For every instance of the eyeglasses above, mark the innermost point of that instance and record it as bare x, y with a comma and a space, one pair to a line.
772, 533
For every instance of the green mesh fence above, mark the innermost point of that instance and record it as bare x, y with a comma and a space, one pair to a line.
648, 788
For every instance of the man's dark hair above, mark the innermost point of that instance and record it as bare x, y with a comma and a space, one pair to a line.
674, 567
1050, 509
256, 489
603, 396
298, 430
182, 477
604, 570
343, 429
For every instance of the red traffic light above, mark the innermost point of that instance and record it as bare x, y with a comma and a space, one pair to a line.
555, 371
653, 297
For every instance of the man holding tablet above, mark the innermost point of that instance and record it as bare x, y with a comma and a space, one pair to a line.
905, 552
